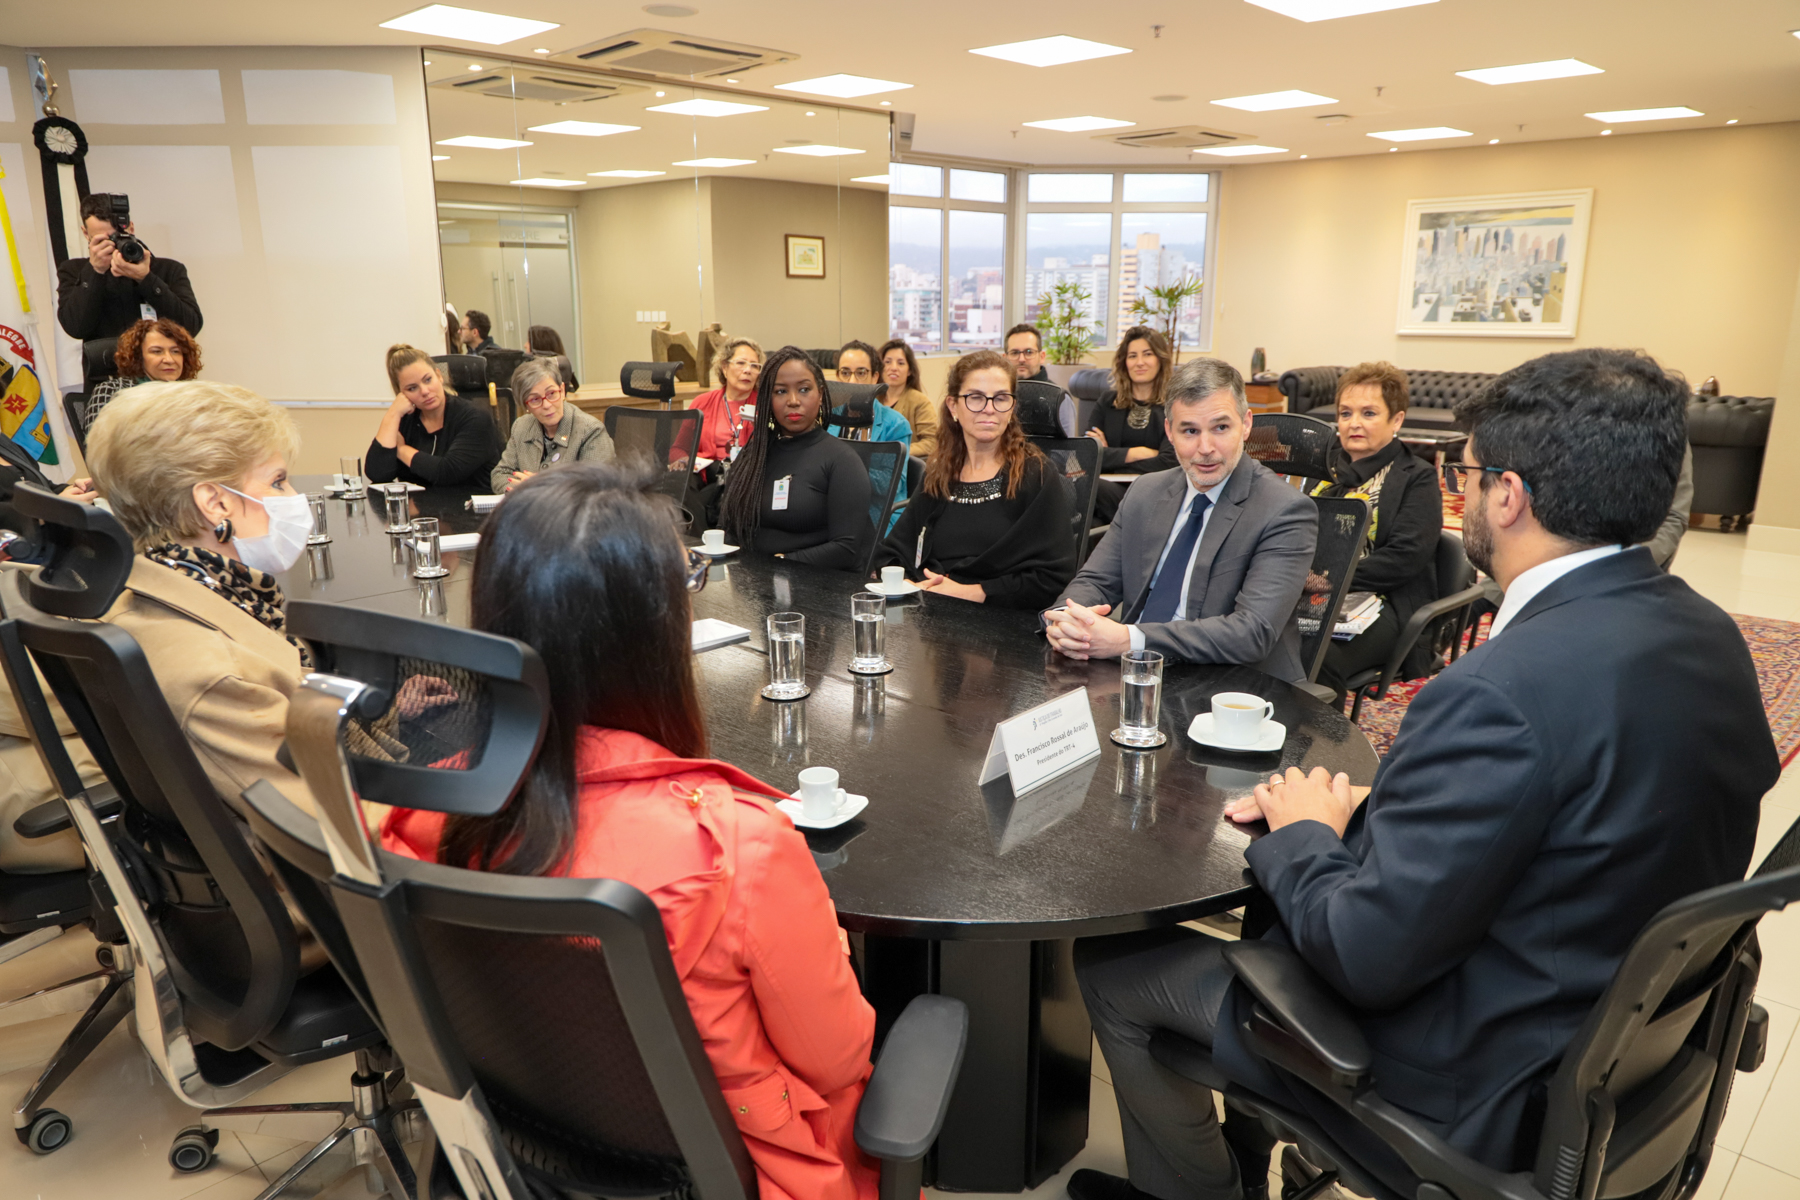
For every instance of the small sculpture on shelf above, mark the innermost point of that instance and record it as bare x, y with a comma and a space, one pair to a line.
676, 348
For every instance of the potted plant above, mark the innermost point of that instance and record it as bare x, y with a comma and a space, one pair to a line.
1162, 306
1063, 320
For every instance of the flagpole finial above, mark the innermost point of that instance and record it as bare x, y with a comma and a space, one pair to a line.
45, 86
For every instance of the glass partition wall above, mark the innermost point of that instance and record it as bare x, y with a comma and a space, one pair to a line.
615, 209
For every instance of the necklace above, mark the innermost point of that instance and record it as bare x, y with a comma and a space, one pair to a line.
1139, 416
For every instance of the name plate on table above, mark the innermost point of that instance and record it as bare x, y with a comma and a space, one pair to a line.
1056, 736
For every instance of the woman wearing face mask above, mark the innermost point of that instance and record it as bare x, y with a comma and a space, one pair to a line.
148, 352
428, 436
797, 492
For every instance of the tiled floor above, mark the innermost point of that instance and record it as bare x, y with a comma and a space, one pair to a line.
125, 1117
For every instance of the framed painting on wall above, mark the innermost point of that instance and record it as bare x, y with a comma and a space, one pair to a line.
1494, 266
805, 256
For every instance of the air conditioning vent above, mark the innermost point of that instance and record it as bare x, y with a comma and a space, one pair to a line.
658, 52
530, 83
1180, 137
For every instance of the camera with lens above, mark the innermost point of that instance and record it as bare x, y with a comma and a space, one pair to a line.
115, 207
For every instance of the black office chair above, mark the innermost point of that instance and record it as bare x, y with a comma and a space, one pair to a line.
1439, 625
852, 408
1039, 406
1631, 1111
826, 360
1090, 386
1343, 524
540, 1019
667, 438
214, 954
1292, 444
75, 413
649, 381
1078, 461
501, 365
887, 463
98, 361
466, 375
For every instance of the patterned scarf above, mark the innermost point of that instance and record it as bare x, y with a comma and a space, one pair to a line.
254, 591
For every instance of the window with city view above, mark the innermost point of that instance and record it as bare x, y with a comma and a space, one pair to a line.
947, 263
915, 257
1070, 247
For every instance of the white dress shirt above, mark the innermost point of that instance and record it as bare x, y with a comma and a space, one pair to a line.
1529, 583
1187, 570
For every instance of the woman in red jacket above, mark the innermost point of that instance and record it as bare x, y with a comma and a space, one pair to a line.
584, 565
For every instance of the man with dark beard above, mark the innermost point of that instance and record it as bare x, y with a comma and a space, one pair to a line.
1602, 755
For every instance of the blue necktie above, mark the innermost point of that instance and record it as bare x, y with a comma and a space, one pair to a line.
1165, 592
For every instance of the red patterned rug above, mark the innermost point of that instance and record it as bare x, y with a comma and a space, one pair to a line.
1774, 646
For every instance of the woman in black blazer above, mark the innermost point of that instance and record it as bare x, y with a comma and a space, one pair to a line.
1128, 424
1399, 559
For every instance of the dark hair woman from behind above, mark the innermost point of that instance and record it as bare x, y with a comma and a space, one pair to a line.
795, 491
584, 565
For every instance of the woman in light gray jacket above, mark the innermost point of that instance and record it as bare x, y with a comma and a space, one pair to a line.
552, 431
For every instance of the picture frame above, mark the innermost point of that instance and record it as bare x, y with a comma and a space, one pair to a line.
1507, 266
805, 256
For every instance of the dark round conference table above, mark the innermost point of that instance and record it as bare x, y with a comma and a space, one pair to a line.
953, 886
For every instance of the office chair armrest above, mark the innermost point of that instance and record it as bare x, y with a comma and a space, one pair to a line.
1755, 1046
1318, 691
909, 1091
1304, 1008
1422, 616
52, 816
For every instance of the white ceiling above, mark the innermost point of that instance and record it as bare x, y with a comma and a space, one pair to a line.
1727, 58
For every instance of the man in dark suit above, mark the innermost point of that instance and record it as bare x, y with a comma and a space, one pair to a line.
1205, 563
1602, 755
102, 295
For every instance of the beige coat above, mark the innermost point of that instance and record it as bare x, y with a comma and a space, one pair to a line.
922, 415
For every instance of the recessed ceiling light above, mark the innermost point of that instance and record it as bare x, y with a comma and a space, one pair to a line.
1493, 141
539, 181
670, 10
1331, 10
731, 81
1270, 101
714, 162
1051, 51
1556, 68
1079, 124
881, 179
887, 104
428, 62
706, 108
484, 143
1171, 98
1235, 151
1621, 116
1305, 156
540, 50
817, 151
660, 95
810, 113
624, 174
584, 128
474, 66
467, 24
440, 158
844, 87
1420, 135
1733, 121
1606, 133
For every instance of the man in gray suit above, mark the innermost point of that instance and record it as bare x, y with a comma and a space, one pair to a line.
1203, 564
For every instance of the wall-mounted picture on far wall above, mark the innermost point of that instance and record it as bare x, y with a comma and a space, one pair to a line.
805, 256
1494, 266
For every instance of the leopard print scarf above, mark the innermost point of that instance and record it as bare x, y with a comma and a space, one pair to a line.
254, 591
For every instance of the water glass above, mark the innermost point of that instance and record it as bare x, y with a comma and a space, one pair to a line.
1140, 699
432, 602
430, 564
787, 657
399, 519
351, 470
868, 613
320, 530
318, 564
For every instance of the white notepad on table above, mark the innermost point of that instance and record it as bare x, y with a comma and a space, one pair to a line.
710, 634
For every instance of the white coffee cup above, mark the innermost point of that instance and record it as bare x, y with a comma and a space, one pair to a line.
713, 539
820, 796
893, 577
1238, 717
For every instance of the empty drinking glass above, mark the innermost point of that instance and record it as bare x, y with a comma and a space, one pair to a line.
399, 520
1140, 699
430, 564
868, 613
351, 469
787, 657
320, 531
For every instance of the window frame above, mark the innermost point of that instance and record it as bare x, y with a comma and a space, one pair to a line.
944, 206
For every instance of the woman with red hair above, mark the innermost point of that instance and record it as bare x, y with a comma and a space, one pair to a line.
158, 351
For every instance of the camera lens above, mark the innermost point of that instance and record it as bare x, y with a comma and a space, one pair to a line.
128, 247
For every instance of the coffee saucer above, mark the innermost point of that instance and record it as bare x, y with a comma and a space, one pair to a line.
1274, 736
905, 587
852, 805
721, 552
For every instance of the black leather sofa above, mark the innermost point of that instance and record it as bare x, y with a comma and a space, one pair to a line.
1432, 394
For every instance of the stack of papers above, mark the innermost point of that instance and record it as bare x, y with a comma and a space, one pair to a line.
710, 634
484, 504
1361, 609
452, 543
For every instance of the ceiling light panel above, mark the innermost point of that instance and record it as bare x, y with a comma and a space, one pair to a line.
467, 25
1272, 101
817, 151
707, 108
1237, 151
714, 162
1556, 68
1080, 124
1051, 51
1426, 134
1624, 115
881, 179
549, 183
624, 174
584, 128
844, 87
484, 143
1331, 10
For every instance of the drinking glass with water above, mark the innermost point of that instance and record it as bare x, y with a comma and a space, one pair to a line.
787, 657
868, 613
1140, 699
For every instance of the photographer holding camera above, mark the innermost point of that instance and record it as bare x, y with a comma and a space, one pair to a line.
119, 282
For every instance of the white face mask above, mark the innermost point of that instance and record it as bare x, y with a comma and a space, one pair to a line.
290, 522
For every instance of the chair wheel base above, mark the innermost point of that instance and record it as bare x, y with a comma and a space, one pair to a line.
48, 1132
192, 1151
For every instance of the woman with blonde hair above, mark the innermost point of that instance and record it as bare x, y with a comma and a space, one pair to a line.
993, 521
428, 436
726, 411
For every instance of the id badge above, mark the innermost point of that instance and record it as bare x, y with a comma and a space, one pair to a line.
746, 411
919, 552
781, 493
146, 312
735, 451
